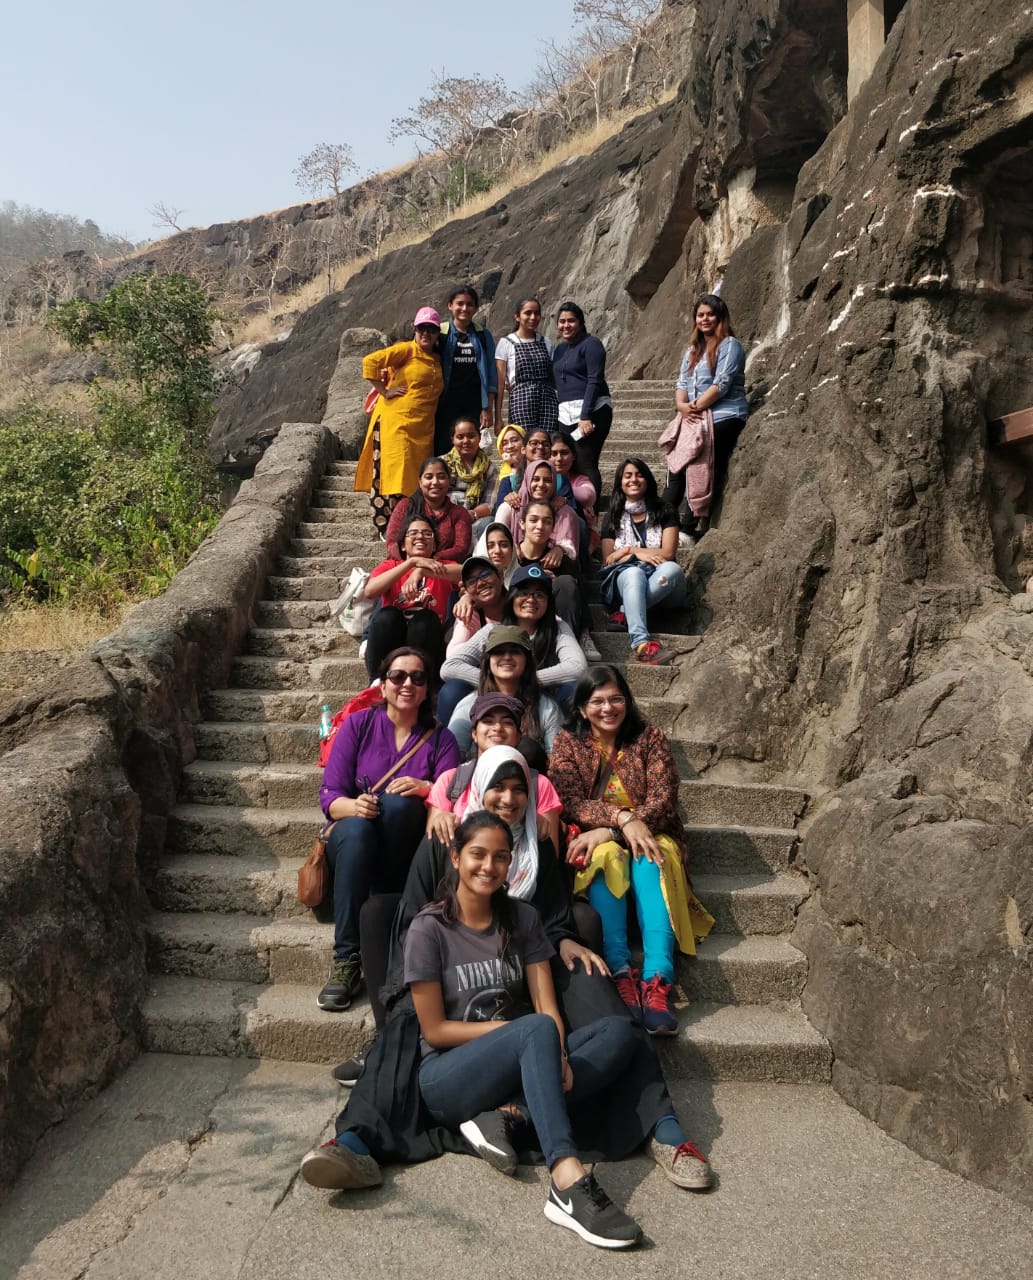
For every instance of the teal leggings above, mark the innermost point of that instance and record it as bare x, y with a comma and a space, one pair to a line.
653, 921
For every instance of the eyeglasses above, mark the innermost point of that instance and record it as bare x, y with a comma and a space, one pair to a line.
416, 678
599, 704
419, 534
475, 580
532, 593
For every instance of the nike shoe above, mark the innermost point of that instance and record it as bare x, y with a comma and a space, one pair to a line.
488, 1134
587, 1209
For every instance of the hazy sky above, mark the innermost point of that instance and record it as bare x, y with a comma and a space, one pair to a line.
110, 106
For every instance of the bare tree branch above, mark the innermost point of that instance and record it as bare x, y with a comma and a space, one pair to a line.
324, 168
165, 215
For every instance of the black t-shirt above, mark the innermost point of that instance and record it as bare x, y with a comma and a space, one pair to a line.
464, 382
567, 567
477, 984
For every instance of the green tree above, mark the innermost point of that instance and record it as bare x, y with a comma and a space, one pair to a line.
158, 332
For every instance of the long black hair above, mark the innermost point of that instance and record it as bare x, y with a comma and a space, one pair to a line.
655, 508
425, 717
698, 343
528, 691
417, 503
594, 678
543, 642
445, 901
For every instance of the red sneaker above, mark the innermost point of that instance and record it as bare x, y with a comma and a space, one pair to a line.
616, 621
657, 1016
653, 653
627, 984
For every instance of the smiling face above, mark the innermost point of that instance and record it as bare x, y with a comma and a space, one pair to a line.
466, 440
512, 448
483, 586
507, 800
483, 862
633, 482
426, 336
529, 606
434, 483
605, 710
495, 729
562, 457
537, 447
406, 696
419, 539
706, 319
528, 318
500, 549
461, 309
507, 664
542, 484
568, 326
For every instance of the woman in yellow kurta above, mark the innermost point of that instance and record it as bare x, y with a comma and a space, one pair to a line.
617, 780
401, 429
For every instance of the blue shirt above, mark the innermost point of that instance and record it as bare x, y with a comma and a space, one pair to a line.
730, 380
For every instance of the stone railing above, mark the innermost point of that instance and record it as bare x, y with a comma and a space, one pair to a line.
90, 764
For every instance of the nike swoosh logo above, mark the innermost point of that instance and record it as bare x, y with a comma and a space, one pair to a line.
568, 1207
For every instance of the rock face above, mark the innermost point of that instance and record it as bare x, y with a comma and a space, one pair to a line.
90, 763
854, 599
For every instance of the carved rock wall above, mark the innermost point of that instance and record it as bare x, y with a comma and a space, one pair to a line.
89, 768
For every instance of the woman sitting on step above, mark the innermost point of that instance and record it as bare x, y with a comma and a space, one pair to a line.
640, 568
539, 485
616, 777
387, 1118
508, 667
375, 784
473, 472
414, 594
452, 523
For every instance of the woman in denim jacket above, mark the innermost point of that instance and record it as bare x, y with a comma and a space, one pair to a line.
712, 376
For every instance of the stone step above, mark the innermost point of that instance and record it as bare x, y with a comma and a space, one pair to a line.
264, 884
254, 671
752, 804
353, 545
249, 948
310, 586
321, 522
232, 1019
238, 812
245, 1020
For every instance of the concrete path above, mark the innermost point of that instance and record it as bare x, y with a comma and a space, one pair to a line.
186, 1168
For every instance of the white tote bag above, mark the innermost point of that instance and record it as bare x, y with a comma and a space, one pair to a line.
351, 608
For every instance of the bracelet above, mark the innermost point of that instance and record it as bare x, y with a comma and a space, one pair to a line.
629, 818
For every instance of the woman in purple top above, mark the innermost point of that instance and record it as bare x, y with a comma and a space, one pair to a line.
379, 819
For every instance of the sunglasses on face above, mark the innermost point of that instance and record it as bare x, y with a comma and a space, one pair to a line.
426, 328
416, 678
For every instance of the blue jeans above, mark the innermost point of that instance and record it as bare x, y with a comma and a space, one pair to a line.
520, 1063
639, 592
371, 855
451, 693
653, 920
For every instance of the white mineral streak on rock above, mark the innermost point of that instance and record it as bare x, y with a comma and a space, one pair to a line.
937, 192
859, 292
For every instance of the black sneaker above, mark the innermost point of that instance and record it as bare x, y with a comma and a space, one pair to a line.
343, 983
587, 1209
488, 1134
347, 1072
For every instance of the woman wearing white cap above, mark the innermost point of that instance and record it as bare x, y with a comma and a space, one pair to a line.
409, 381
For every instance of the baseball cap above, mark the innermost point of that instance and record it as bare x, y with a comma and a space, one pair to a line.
532, 573
476, 562
426, 315
500, 637
496, 702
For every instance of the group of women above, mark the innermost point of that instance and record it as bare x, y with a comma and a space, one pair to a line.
484, 902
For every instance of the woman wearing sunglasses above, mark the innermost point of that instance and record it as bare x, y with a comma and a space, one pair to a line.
413, 593
380, 771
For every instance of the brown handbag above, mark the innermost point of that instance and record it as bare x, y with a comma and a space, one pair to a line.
314, 873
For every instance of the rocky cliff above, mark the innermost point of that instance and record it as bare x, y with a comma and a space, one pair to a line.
854, 600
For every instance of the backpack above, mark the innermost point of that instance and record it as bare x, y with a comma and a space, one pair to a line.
364, 701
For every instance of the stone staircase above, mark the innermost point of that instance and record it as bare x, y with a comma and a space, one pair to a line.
236, 963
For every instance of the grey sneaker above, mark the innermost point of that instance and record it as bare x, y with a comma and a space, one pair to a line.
685, 1165
587, 1209
348, 1071
337, 1168
343, 983
589, 647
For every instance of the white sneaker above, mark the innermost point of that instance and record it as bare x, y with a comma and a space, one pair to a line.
589, 648
686, 541
362, 649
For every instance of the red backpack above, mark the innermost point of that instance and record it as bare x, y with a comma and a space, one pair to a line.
364, 701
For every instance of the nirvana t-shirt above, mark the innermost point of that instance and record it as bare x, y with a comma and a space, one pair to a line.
477, 984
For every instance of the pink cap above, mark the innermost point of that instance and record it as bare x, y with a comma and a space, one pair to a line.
427, 315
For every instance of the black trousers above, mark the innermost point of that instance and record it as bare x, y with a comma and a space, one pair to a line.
726, 436
589, 449
389, 629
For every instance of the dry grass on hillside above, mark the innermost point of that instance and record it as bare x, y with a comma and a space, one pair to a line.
36, 641
262, 328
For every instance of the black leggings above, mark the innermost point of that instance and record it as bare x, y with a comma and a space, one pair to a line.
587, 450
389, 629
726, 436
